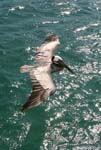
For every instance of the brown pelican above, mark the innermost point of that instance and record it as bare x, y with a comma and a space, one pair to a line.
40, 73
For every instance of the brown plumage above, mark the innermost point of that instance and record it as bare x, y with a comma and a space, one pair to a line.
40, 73
42, 83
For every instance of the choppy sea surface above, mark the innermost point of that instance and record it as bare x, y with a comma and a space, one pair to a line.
71, 119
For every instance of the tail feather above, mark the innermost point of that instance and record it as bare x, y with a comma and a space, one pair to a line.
25, 68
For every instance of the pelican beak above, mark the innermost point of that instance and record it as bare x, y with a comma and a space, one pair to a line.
69, 69
62, 64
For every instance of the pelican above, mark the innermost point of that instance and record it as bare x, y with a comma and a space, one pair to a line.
47, 63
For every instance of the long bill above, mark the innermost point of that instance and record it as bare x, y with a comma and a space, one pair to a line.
69, 69
65, 66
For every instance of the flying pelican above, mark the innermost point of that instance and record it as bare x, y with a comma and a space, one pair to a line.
41, 73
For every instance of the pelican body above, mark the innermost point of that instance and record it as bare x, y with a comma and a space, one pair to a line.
41, 73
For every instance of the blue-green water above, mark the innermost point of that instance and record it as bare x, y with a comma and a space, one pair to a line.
71, 119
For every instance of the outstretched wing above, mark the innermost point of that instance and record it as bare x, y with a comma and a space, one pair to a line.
44, 53
46, 50
36, 97
42, 87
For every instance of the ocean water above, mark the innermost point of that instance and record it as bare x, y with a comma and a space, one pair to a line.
71, 119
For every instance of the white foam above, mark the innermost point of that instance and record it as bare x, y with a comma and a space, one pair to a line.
62, 3
16, 84
21, 7
65, 12
80, 29
16, 7
12, 9
86, 27
28, 49
49, 22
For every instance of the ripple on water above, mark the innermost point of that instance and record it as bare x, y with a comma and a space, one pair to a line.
87, 27
13, 137
72, 117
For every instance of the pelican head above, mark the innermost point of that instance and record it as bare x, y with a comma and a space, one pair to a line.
58, 64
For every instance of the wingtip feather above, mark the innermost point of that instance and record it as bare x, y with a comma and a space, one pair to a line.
25, 107
29, 105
